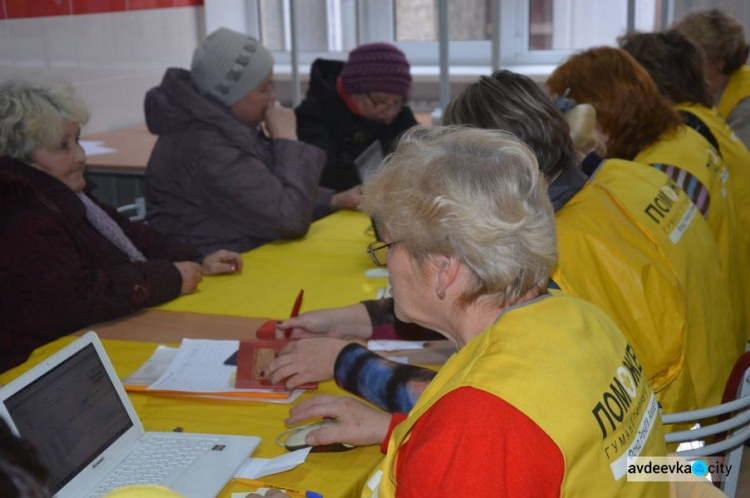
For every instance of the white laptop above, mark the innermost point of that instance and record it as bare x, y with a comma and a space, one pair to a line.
73, 409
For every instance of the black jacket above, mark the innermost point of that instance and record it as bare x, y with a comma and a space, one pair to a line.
324, 120
59, 274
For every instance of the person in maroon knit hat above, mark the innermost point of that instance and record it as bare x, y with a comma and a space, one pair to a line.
350, 105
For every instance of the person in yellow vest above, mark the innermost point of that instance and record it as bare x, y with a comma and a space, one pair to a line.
545, 397
723, 38
664, 212
675, 63
607, 257
639, 125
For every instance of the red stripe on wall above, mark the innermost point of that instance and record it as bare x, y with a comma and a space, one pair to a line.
17, 9
161, 4
150, 4
38, 8
98, 6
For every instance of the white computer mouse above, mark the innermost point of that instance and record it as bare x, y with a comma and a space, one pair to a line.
296, 438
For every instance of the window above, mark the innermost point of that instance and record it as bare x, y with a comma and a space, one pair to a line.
578, 24
530, 31
417, 20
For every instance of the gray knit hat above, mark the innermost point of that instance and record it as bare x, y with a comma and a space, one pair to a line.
229, 65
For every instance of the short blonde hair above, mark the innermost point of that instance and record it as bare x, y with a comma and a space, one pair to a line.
33, 115
721, 36
473, 194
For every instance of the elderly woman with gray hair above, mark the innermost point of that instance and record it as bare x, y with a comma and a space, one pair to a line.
469, 236
67, 261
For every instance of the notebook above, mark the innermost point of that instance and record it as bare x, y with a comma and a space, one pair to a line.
72, 407
253, 358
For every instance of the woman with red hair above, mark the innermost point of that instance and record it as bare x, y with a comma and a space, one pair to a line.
638, 124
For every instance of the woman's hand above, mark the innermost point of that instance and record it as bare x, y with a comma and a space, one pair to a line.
280, 122
191, 275
348, 199
306, 360
359, 424
346, 322
222, 261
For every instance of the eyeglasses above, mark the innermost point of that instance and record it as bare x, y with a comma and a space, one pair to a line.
378, 251
385, 105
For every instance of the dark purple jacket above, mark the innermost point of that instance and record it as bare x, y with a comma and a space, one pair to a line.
214, 182
58, 274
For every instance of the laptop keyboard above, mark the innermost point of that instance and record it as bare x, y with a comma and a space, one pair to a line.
158, 460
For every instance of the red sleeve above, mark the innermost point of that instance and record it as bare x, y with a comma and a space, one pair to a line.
396, 419
471, 443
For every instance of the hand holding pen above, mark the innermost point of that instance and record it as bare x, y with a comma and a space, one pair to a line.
268, 329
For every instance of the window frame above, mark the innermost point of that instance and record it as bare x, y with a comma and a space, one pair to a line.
375, 21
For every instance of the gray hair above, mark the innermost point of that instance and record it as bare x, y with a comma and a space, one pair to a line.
473, 194
33, 115
721, 36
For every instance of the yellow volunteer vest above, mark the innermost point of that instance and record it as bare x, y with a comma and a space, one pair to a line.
606, 259
737, 89
686, 157
664, 212
563, 363
737, 159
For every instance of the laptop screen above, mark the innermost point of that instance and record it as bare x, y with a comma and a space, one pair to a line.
71, 414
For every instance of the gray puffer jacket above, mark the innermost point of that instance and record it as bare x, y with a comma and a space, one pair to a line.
214, 182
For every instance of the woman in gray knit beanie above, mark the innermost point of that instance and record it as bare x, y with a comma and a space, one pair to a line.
216, 178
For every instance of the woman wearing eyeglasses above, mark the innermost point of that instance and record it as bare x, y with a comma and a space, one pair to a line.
472, 244
351, 105
606, 258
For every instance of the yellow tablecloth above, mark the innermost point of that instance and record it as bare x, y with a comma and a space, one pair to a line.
331, 474
329, 264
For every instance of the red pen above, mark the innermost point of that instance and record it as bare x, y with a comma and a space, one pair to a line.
297, 303
268, 329
295, 310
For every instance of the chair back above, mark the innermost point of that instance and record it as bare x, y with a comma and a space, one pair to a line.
729, 433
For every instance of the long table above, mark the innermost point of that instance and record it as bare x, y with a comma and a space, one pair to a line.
331, 474
329, 264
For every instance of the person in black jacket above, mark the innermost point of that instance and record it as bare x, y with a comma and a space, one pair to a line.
350, 105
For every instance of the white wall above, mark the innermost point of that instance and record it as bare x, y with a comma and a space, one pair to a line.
112, 59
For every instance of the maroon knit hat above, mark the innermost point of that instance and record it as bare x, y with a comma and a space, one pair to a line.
376, 67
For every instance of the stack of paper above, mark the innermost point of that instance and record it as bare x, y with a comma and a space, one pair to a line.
198, 368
